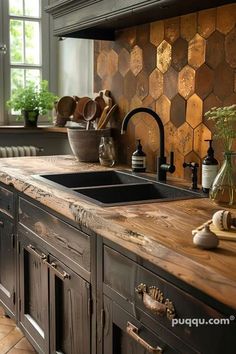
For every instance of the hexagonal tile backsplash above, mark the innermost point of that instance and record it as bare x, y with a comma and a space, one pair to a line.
180, 67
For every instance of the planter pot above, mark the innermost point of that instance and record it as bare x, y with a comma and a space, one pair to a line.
85, 143
30, 118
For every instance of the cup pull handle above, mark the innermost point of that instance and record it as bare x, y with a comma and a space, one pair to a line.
133, 332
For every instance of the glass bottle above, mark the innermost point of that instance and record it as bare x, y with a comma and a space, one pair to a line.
106, 151
223, 190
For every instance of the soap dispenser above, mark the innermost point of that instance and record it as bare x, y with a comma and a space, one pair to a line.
209, 169
139, 159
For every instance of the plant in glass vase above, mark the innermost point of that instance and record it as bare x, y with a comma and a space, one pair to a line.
223, 190
32, 100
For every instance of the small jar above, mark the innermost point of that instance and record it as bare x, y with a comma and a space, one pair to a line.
106, 151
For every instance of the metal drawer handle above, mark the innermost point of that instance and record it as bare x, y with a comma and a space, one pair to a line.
36, 253
133, 332
153, 300
62, 275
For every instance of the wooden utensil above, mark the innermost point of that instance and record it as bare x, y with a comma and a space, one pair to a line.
91, 112
100, 100
103, 124
103, 117
79, 110
66, 106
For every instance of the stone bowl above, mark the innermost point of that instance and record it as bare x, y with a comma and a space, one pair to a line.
85, 143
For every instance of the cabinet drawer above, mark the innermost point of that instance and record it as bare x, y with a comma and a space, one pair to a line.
6, 201
122, 280
71, 242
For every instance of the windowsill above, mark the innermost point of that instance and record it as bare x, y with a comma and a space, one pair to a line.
40, 129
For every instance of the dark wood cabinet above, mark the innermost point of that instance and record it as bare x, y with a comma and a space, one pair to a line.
7, 264
33, 291
7, 251
70, 310
100, 19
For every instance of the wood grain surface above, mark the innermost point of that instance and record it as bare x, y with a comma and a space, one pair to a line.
158, 232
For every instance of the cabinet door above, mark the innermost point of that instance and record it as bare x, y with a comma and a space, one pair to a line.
70, 315
33, 280
123, 334
7, 264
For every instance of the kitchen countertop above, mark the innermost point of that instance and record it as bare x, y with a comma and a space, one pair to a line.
158, 232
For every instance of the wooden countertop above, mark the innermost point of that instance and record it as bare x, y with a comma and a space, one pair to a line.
158, 232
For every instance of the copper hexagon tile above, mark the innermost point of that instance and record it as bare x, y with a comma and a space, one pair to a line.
179, 54
163, 56
186, 81
194, 111
234, 82
123, 106
206, 22
117, 86
142, 85
170, 87
148, 101
178, 111
204, 81
136, 60
149, 58
129, 85
112, 59
228, 101
127, 38
184, 139
215, 51
163, 108
170, 134
230, 48
124, 62
156, 84
156, 32
196, 51
226, 18
224, 81
211, 101
102, 64
188, 26
97, 83
143, 34
172, 26
201, 133
135, 102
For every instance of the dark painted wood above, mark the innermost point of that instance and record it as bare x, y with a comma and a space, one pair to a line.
122, 276
70, 315
116, 339
33, 301
7, 264
6, 201
72, 243
100, 19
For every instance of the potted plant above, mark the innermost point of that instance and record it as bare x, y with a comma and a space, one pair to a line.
32, 100
223, 190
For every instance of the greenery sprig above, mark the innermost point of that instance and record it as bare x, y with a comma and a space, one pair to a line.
33, 97
225, 124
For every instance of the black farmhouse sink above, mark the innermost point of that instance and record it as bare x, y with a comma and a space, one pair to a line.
110, 188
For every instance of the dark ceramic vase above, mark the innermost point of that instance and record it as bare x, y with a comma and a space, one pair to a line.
30, 118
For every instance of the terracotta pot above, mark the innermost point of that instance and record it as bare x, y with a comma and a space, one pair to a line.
85, 143
30, 118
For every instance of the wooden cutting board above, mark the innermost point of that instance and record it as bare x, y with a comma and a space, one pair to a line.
221, 234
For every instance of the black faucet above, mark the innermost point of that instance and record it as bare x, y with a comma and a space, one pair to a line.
162, 166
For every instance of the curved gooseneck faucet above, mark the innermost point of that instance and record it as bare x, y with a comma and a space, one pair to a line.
162, 166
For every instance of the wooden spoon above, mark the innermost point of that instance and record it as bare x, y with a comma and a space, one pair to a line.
91, 112
103, 117
103, 123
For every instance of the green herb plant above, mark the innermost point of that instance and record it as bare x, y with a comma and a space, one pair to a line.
33, 97
225, 124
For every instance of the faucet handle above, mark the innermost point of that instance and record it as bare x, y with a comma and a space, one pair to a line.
172, 166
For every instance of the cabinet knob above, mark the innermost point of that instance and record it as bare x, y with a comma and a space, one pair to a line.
1, 223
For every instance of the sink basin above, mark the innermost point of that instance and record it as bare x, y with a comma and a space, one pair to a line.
91, 178
110, 188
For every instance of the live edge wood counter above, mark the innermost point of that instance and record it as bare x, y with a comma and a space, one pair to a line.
158, 232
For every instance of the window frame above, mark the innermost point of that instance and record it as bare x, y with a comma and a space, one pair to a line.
48, 65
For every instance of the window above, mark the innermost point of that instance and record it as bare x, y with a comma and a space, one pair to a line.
26, 44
